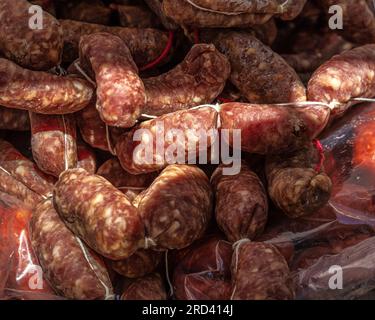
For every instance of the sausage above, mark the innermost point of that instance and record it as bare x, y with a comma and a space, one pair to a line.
99, 214
156, 7
150, 287
260, 272
344, 77
20, 261
258, 72
192, 123
13, 119
41, 92
204, 272
131, 185
94, 131
53, 142
108, 58
358, 19
136, 16
273, 129
241, 203
139, 264
43, 47
185, 14
199, 79
295, 185
86, 158
145, 45
288, 10
93, 11
176, 208
25, 171
70, 267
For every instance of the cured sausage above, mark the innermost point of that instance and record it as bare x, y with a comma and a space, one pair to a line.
295, 185
108, 58
99, 214
344, 77
199, 79
273, 129
145, 45
260, 272
258, 72
176, 208
13, 119
71, 268
41, 92
86, 158
139, 264
43, 48
136, 16
53, 142
141, 151
156, 7
150, 287
241, 203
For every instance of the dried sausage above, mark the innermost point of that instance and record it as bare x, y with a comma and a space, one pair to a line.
199, 79
133, 147
53, 142
260, 272
156, 7
99, 214
150, 287
145, 45
13, 119
136, 16
41, 92
295, 185
344, 77
43, 48
273, 129
241, 203
86, 158
177, 207
108, 58
70, 267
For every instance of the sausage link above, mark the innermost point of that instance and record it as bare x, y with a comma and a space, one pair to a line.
191, 123
295, 185
41, 92
241, 203
136, 16
156, 7
99, 214
177, 207
53, 142
86, 158
272, 129
150, 287
70, 267
13, 119
199, 79
145, 45
33, 48
109, 59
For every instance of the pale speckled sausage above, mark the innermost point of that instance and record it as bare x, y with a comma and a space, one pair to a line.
71, 268
86, 158
99, 214
145, 45
199, 79
177, 207
260, 272
258, 72
24, 170
272, 129
190, 122
13, 119
53, 142
38, 49
41, 92
241, 203
120, 92
139, 264
295, 185
183, 13
150, 287
130, 184
348, 75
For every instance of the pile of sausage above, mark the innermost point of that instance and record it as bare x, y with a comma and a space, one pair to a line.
84, 83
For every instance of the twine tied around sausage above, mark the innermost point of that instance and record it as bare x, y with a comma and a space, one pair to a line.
171, 291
